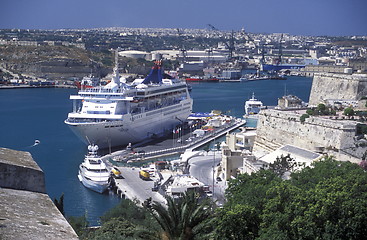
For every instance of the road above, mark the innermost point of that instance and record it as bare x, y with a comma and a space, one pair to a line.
135, 188
201, 167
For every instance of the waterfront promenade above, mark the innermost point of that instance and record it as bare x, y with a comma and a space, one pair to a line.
172, 146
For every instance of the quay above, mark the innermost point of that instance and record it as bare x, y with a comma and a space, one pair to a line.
132, 187
35, 86
171, 145
136, 189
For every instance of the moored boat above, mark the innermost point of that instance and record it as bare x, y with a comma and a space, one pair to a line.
93, 172
88, 82
202, 79
253, 107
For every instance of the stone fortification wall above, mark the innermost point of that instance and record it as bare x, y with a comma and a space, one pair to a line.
337, 86
26, 211
31, 215
19, 171
276, 128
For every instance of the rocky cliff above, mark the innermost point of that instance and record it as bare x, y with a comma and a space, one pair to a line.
51, 62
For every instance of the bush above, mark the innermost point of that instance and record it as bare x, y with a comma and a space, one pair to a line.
361, 129
349, 111
310, 111
321, 107
303, 117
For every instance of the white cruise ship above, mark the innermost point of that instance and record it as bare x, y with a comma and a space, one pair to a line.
93, 172
119, 113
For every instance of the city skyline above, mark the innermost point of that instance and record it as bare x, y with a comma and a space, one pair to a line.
315, 18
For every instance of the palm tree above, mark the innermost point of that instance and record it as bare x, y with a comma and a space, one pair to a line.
185, 218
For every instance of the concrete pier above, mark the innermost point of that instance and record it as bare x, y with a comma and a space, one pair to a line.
169, 146
136, 189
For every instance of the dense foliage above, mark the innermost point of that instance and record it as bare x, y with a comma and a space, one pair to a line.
321, 109
185, 218
348, 111
326, 201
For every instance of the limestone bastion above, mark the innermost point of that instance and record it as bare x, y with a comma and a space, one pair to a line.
343, 87
339, 138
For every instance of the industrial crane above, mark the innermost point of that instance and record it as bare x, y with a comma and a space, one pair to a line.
183, 49
229, 45
280, 50
260, 46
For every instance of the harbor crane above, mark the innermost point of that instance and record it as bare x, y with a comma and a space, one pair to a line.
229, 44
279, 61
183, 49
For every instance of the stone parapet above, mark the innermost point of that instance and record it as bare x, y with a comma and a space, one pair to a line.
31, 215
26, 212
19, 171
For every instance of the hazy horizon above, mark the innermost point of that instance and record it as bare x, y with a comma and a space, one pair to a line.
307, 18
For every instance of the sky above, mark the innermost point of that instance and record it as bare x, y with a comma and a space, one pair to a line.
296, 17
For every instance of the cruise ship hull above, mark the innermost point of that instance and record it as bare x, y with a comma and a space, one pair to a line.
133, 128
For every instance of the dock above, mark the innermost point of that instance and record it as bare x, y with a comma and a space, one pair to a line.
134, 188
173, 146
21, 86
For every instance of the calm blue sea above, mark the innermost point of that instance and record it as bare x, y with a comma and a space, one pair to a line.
30, 114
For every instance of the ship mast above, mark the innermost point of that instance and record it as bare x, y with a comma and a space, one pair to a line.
116, 75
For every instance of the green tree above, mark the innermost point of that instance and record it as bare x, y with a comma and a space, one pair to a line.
321, 108
349, 112
278, 212
238, 222
323, 201
119, 228
303, 117
310, 112
60, 204
80, 225
184, 218
327, 168
129, 210
246, 192
282, 165
251, 189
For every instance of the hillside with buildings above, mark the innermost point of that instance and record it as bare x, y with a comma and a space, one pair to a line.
67, 53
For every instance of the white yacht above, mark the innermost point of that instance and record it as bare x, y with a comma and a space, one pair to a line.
120, 113
93, 172
253, 106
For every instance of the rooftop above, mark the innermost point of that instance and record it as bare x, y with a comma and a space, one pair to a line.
299, 154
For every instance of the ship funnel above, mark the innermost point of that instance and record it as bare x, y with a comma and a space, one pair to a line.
155, 75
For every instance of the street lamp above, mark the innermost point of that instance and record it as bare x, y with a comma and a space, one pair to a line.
213, 165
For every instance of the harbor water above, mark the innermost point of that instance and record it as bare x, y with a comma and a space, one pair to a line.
38, 114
